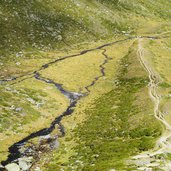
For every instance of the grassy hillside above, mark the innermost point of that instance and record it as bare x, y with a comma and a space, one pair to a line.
30, 29
112, 123
45, 25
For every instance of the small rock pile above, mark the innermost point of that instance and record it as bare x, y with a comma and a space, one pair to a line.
21, 164
45, 144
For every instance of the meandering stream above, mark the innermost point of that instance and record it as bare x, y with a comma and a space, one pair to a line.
15, 151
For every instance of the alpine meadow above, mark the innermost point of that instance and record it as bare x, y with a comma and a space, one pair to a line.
85, 85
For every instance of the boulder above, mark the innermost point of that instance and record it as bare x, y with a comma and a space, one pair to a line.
18, 109
1, 167
26, 159
59, 37
24, 165
12, 167
54, 144
31, 100
18, 63
37, 169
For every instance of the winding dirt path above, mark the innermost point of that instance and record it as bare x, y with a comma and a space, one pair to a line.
163, 146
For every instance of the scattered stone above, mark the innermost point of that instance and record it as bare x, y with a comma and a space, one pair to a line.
153, 165
46, 137
8, 89
10, 79
18, 63
12, 107
30, 151
37, 169
59, 37
31, 100
116, 82
24, 165
54, 144
1, 167
23, 114
18, 109
19, 54
38, 104
142, 162
12, 167
28, 159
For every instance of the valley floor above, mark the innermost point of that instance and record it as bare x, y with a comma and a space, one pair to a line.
105, 108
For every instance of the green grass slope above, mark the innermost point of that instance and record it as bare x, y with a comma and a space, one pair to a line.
44, 25
35, 32
30, 29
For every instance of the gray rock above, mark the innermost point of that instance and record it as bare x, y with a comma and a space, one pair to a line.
37, 169
8, 89
18, 109
31, 100
59, 37
18, 63
54, 144
46, 137
24, 165
12, 107
1, 82
38, 105
12, 167
1, 166
28, 159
